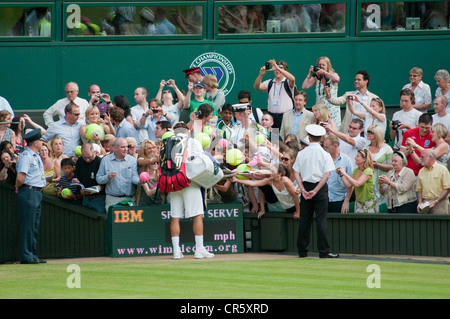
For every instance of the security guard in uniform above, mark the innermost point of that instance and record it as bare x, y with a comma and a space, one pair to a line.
29, 183
312, 169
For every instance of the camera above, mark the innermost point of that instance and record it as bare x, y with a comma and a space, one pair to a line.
315, 69
102, 95
395, 124
350, 97
155, 110
267, 65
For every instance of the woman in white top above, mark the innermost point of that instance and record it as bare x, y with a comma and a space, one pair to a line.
375, 113
282, 187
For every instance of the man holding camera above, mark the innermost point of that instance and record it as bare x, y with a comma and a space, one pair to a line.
405, 119
151, 117
362, 80
140, 97
280, 95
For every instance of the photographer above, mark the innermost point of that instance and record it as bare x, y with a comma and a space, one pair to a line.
322, 75
153, 115
280, 95
405, 119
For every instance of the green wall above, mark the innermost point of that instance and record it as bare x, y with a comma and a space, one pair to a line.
34, 74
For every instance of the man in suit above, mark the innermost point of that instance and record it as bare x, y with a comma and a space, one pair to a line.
295, 121
362, 80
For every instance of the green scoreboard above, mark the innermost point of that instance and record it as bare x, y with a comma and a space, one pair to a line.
134, 231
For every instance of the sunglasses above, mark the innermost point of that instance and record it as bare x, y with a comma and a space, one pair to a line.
370, 132
285, 158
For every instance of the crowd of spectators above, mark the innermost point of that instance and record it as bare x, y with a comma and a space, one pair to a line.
95, 149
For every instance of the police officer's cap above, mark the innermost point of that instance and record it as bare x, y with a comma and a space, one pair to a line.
241, 107
191, 70
315, 130
32, 136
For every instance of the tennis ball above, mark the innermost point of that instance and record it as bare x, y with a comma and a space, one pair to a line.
144, 177
167, 134
208, 130
234, 157
66, 193
94, 128
204, 139
242, 168
78, 150
260, 139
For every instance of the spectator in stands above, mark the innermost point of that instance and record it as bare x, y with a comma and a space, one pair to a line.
442, 78
295, 121
132, 146
122, 127
373, 115
351, 142
397, 186
171, 111
226, 123
283, 188
7, 167
422, 91
287, 160
405, 119
381, 156
66, 181
6, 133
280, 96
141, 107
323, 75
149, 119
52, 169
441, 149
339, 195
419, 136
147, 155
67, 128
4, 105
362, 181
256, 114
441, 116
86, 169
101, 100
17, 128
192, 104
433, 185
163, 26
362, 81
161, 128
118, 171
322, 116
93, 117
58, 109
122, 102
56, 146
213, 93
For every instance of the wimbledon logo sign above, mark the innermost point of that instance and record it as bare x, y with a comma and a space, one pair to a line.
218, 65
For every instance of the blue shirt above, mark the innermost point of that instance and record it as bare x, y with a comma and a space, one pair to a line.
127, 175
150, 126
30, 163
336, 188
126, 129
296, 121
70, 134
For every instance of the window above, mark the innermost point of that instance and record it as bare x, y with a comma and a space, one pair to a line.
146, 20
24, 21
404, 16
289, 18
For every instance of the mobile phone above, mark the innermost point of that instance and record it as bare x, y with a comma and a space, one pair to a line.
267, 65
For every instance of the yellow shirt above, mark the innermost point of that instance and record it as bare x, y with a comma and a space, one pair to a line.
431, 182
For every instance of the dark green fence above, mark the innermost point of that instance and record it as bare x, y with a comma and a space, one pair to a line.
69, 231
408, 234
66, 230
